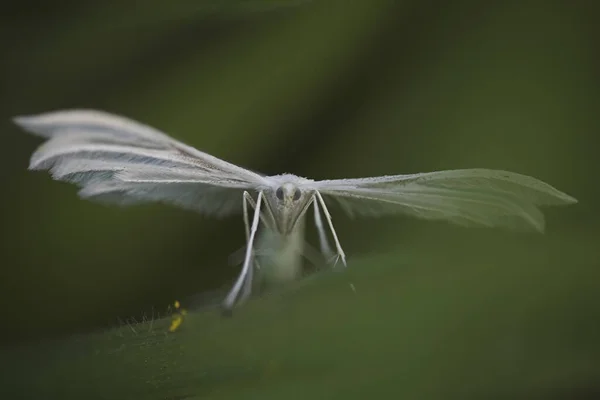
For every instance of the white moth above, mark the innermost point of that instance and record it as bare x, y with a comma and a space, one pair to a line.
117, 160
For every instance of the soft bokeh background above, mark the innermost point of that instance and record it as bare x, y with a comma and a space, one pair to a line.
319, 89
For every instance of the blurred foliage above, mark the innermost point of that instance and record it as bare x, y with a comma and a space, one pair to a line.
417, 325
324, 90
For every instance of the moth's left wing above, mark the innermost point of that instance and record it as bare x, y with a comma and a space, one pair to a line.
117, 160
469, 197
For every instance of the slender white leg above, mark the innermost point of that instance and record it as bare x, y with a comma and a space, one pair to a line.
238, 255
235, 290
338, 247
269, 222
325, 247
247, 288
245, 211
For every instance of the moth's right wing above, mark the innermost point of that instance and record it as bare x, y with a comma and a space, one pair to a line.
117, 160
469, 197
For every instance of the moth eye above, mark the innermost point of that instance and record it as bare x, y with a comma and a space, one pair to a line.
297, 195
279, 193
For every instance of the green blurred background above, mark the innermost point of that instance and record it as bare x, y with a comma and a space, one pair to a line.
319, 89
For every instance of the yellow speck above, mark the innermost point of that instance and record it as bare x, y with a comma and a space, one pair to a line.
175, 323
177, 319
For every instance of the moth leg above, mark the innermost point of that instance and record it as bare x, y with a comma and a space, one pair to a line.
324, 243
268, 219
237, 287
340, 252
247, 288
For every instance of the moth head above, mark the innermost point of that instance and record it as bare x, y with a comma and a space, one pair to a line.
288, 193
288, 203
